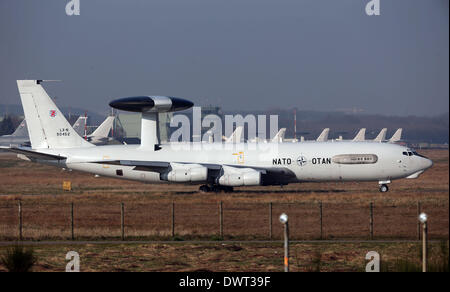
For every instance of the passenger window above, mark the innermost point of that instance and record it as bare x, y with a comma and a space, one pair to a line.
405, 153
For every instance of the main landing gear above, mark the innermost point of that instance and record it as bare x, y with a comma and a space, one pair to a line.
215, 189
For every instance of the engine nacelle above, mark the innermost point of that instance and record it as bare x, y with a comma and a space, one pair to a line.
184, 173
235, 177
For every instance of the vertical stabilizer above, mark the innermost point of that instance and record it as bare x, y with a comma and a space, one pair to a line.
236, 137
47, 126
323, 137
80, 125
397, 136
381, 136
279, 137
22, 130
361, 136
103, 130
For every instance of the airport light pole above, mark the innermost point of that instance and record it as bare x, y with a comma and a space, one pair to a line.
284, 220
423, 218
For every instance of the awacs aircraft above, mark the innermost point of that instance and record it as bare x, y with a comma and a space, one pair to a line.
222, 167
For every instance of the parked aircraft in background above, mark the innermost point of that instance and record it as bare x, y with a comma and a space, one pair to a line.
323, 137
381, 136
236, 136
101, 135
98, 137
18, 138
279, 137
361, 136
80, 126
397, 137
54, 142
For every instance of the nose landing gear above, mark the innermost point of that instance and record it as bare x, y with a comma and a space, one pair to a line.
384, 188
384, 185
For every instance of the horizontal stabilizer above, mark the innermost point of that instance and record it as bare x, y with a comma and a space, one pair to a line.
33, 154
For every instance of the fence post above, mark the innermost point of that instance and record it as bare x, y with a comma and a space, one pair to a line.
122, 220
270, 220
371, 220
419, 211
221, 219
20, 221
71, 222
173, 219
321, 219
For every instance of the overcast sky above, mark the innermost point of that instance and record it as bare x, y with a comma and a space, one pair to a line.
239, 54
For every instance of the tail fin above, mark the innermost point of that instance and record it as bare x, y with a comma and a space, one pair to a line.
381, 136
103, 130
47, 126
397, 136
323, 137
236, 136
279, 137
361, 136
21, 130
80, 125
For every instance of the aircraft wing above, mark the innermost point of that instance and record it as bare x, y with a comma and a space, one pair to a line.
33, 154
272, 175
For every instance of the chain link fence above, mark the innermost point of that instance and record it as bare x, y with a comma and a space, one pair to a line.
211, 221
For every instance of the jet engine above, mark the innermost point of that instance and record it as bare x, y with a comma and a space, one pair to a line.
186, 173
235, 177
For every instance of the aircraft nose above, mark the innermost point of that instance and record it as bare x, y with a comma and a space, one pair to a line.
427, 163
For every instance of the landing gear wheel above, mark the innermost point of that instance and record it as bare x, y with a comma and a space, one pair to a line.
384, 188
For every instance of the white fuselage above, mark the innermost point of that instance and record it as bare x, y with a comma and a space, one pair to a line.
309, 161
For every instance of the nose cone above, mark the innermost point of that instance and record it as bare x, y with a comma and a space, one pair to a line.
427, 163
